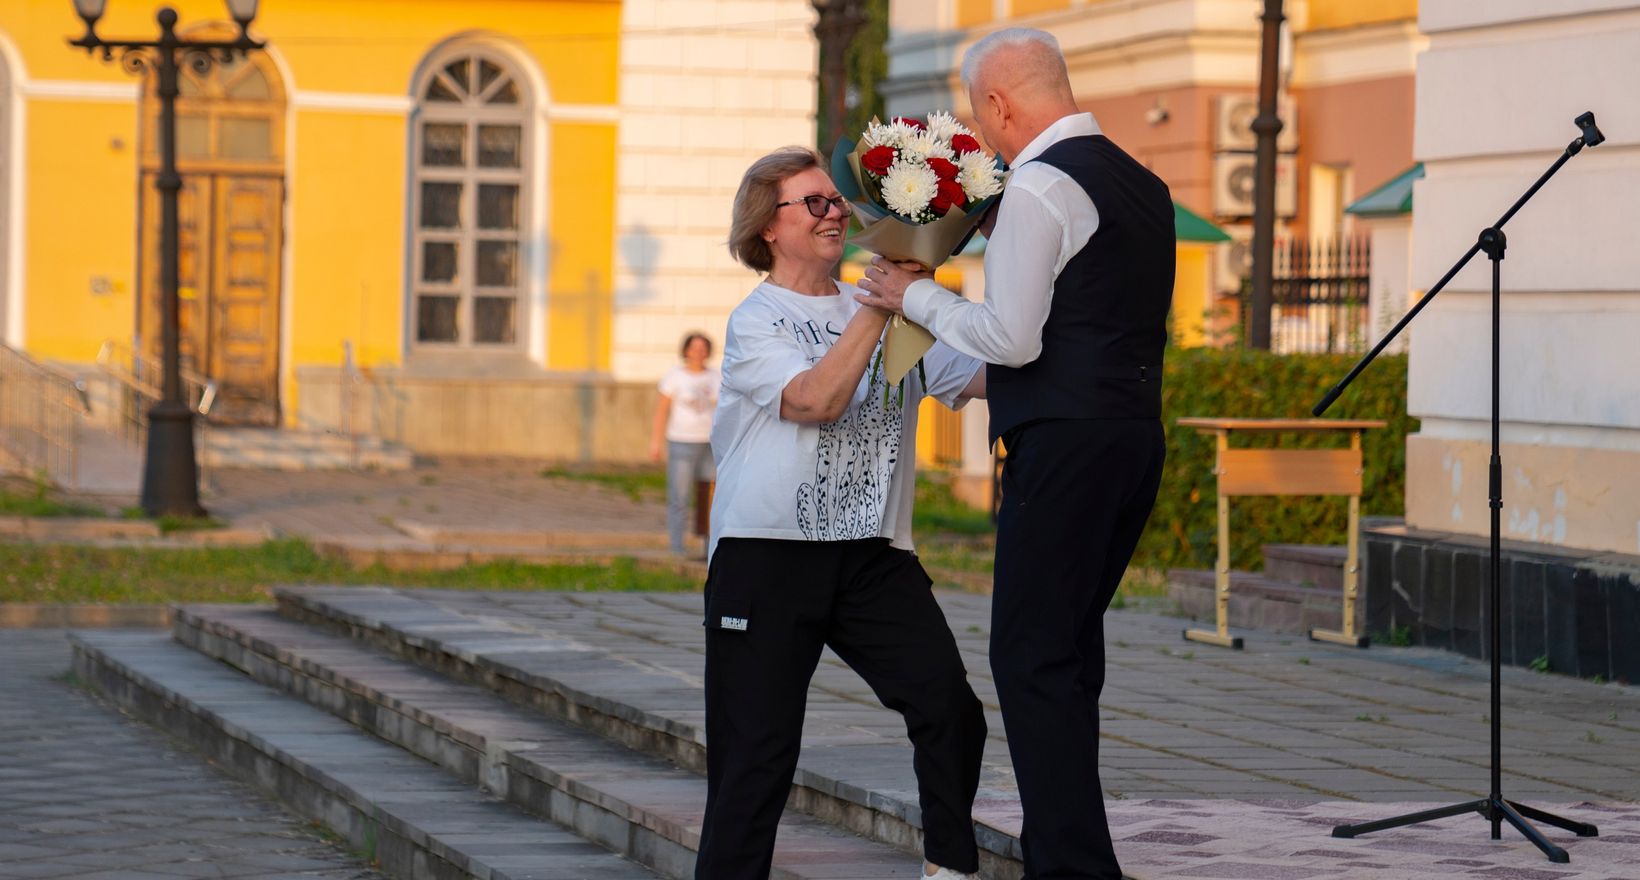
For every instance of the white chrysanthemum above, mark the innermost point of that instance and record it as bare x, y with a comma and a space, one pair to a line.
978, 175
924, 145
942, 126
879, 135
909, 187
894, 134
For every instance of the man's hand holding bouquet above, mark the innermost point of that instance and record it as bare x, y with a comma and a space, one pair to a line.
919, 188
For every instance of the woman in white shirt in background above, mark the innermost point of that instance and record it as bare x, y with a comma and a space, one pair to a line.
683, 421
811, 534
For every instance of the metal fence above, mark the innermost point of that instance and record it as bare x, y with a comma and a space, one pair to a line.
135, 383
1318, 301
41, 409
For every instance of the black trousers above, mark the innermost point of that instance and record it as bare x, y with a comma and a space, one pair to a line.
771, 606
1075, 497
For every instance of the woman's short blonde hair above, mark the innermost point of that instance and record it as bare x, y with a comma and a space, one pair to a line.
757, 202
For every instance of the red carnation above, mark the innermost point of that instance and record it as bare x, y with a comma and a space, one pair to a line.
947, 195
914, 123
944, 169
964, 144
878, 160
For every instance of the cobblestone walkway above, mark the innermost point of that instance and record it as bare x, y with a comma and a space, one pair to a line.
1220, 764
90, 795
511, 496
1286, 718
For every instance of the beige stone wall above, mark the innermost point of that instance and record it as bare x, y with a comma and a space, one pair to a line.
1570, 396
707, 87
1558, 495
554, 418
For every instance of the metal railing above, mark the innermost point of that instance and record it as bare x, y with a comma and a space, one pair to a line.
40, 413
136, 383
352, 377
1318, 298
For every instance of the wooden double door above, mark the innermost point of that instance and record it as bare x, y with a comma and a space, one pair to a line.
228, 287
230, 138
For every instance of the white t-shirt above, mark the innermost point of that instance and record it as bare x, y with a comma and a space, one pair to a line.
852, 478
694, 396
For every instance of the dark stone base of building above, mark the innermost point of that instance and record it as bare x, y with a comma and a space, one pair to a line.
1578, 611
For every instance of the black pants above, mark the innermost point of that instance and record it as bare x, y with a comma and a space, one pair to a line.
1075, 497
770, 607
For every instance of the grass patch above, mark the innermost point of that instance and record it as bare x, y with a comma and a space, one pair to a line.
60, 574
937, 510
635, 484
39, 501
972, 555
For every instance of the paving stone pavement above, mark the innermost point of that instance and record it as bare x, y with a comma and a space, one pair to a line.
456, 494
1218, 764
1286, 718
88, 794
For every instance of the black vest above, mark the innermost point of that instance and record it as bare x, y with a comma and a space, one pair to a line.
1102, 344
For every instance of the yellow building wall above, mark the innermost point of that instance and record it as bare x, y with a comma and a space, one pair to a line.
79, 225
345, 239
1192, 286
581, 247
1021, 8
345, 169
1331, 14
974, 12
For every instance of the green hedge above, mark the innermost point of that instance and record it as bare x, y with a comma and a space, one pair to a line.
1249, 384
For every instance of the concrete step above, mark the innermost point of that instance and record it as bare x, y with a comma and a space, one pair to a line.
278, 449
440, 535
75, 529
1258, 601
640, 806
1319, 564
852, 781
394, 807
404, 553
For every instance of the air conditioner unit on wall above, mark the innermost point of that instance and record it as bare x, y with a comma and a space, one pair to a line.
1233, 260
1233, 179
1233, 123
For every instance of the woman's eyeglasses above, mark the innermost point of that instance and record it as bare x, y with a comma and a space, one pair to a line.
819, 206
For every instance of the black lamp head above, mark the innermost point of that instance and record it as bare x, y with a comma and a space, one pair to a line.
1591, 132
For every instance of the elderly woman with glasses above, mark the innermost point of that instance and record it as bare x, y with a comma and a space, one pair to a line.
811, 533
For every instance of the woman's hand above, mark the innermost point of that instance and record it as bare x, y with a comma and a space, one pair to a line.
657, 432
822, 393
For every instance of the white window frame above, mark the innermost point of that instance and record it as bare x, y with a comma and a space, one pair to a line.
468, 235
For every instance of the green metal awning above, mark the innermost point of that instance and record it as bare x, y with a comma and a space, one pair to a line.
1190, 226
1391, 199
1187, 225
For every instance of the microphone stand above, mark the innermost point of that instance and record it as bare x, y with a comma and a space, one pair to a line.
1494, 807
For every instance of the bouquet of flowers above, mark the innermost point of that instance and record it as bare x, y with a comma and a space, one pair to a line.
919, 188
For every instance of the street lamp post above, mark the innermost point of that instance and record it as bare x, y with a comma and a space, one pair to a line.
837, 23
170, 473
1266, 126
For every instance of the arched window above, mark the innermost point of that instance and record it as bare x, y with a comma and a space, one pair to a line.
469, 164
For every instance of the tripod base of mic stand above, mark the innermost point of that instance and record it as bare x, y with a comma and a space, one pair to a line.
1495, 809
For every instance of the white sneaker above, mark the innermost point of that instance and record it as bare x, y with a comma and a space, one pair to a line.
947, 874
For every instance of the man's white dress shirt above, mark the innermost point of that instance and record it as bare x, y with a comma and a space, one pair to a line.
1044, 220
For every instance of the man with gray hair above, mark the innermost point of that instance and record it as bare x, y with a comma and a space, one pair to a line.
1078, 281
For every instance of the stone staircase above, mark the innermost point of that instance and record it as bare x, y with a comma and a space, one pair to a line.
299, 450
452, 744
1300, 589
